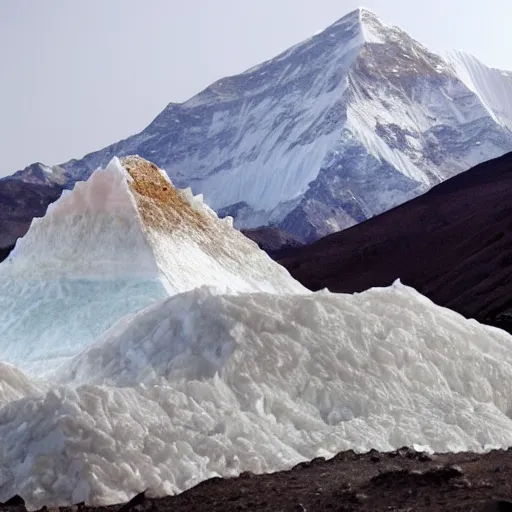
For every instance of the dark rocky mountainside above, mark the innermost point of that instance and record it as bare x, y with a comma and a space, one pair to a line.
20, 202
271, 239
453, 244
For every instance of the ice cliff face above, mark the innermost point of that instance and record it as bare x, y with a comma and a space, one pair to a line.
110, 247
341, 127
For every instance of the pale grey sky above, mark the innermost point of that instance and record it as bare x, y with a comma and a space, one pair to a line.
77, 75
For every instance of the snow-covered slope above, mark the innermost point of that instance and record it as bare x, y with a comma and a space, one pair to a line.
492, 86
110, 247
342, 126
203, 384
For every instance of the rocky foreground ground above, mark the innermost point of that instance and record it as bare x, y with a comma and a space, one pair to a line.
403, 481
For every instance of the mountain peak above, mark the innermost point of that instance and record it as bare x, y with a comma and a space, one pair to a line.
359, 12
371, 27
364, 13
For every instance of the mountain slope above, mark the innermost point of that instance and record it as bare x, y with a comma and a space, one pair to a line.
110, 247
335, 130
20, 202
453, 244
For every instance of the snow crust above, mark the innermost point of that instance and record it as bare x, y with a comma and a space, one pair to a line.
205, 384
15, 384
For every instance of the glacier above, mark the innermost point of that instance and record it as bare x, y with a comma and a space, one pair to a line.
147, 344
341, 127
204, 384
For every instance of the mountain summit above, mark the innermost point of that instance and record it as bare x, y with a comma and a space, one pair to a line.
343, 126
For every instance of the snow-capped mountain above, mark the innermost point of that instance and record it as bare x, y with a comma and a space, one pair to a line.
110, 247
345, 125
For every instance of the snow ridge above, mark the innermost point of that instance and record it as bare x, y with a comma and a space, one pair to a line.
491, 85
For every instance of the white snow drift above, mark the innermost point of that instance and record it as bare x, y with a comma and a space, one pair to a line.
110, 247
203, 384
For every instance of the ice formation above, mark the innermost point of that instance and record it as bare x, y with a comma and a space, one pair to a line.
146, 344
15, 384
204, 384
110, 247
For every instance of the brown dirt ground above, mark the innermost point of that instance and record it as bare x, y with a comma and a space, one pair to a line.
400, 481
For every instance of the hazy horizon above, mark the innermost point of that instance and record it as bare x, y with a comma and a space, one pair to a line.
81, 75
